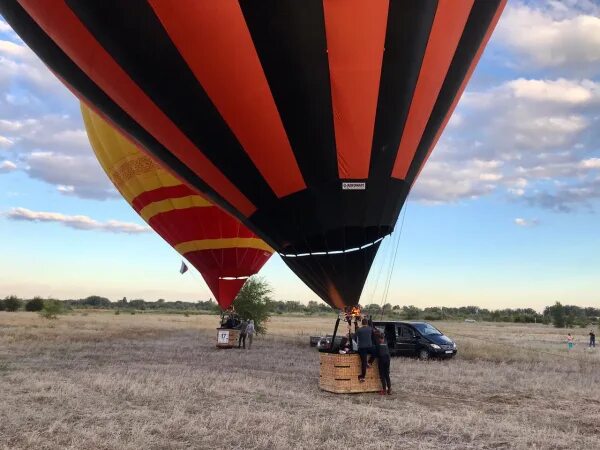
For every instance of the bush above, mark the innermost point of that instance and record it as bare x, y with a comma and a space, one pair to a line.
12, 303
35, 304
52, 308
252, 303
2, 306
557, 312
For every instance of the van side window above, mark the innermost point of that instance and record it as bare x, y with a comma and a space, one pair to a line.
405, 332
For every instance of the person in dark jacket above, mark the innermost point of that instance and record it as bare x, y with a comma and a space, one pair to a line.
365, 347
242, 338
592, 339
383, 361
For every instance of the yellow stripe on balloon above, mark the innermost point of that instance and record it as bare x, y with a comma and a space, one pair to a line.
171, 204
146, 183
128, 167
217, 244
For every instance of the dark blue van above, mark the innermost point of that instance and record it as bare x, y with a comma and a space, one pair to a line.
420, 339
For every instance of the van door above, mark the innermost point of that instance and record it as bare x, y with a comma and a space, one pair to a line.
406, 344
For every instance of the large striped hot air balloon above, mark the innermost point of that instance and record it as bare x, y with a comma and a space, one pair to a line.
309, 120
223, 250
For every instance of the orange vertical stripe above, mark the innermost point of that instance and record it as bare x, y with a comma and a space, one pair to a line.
465, 81
65, 29
355, 32
214, 40
448, 25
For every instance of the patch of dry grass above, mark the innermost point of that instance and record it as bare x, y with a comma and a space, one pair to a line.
157, 381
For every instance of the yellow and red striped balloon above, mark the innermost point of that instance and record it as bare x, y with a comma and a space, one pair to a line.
223, 250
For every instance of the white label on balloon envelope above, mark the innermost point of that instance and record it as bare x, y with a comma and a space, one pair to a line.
347, 186
223, 337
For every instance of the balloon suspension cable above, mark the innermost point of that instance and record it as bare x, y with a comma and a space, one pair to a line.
385, 255
386, 290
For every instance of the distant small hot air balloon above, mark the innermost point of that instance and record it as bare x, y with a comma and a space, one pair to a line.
221, 248
309, 120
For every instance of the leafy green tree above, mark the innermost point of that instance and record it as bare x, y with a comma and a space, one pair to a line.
12, 303
557, 312
51, 309
2, 306
138, 304
411, 312
252, 303
95, 301
35, 304
372, 309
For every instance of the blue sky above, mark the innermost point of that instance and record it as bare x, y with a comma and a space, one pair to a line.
504, 215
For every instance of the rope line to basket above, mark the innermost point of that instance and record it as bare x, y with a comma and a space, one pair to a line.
386, 290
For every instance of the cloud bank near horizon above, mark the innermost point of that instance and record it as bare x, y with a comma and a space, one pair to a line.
77, 222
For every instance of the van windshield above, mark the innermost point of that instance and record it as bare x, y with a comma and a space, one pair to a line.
427, 330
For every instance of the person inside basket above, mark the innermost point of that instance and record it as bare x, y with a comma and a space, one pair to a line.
383, 356
365, 347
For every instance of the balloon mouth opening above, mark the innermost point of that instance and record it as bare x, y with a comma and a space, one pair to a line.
245, 277
331, 252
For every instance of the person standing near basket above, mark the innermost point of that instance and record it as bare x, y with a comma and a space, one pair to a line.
243, 332
250, 330
365, 347
383, 361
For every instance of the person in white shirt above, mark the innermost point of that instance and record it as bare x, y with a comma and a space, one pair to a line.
250, 330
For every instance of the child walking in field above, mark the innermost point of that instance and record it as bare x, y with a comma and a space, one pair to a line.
570, 342
383, 360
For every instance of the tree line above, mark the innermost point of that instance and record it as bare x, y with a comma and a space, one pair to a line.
559, 315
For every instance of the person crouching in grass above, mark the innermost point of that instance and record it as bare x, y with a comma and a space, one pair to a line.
383, 356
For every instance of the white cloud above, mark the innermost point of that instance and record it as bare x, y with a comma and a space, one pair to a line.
41, 126
559, 91
5, 142
447, 181
526, 223
73, 175
552, 37
567, 196
592, 163
520, 137
7, 166
4, 27
78, 222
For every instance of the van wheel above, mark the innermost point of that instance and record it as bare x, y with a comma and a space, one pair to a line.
423, 355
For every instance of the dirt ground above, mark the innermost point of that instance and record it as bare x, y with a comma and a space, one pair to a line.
99, 380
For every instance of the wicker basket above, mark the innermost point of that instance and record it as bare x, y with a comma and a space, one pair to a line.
227, 337
339, 374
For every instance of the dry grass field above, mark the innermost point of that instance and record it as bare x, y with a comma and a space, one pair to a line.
157, 381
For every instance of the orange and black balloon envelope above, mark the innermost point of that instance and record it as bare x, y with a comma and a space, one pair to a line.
309, 120
219, 246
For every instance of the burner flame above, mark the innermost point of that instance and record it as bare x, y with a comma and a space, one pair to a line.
353, 311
